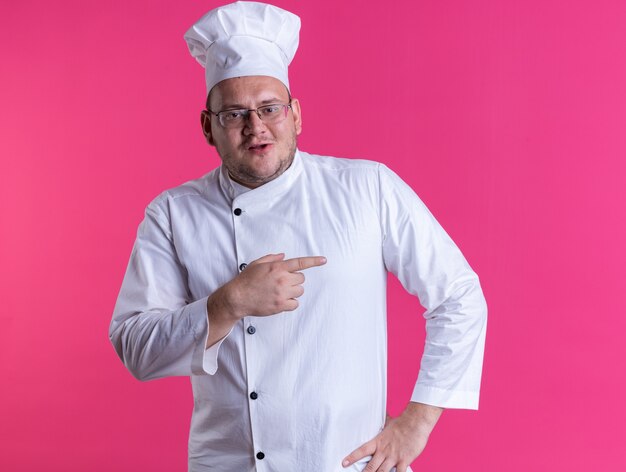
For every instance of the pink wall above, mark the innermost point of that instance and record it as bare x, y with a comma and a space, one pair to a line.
507, 117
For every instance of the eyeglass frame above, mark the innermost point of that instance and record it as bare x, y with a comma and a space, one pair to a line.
249, 111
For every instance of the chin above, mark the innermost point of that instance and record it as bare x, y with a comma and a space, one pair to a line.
266, 168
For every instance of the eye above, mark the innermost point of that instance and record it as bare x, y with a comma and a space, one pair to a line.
270, 109
232, 115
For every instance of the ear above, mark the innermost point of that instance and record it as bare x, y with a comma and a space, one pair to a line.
205, 122
297, 115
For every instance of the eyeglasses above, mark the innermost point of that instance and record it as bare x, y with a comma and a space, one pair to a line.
268, 114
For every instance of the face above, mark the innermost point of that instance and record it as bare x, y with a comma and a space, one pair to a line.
255, 153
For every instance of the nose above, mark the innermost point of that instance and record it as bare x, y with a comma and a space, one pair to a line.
254, 124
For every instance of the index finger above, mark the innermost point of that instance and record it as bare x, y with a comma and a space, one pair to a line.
367, 449
301, 263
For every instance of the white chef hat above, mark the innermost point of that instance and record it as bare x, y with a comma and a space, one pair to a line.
242, 39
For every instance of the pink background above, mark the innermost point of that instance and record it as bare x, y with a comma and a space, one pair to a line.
507, 117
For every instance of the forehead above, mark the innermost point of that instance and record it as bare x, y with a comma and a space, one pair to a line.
247, 91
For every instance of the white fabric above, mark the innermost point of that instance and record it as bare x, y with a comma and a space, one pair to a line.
320, 371
243, 39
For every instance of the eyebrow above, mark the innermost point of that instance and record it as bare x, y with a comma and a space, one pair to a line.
238, 106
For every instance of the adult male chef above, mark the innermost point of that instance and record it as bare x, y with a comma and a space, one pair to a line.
288, 373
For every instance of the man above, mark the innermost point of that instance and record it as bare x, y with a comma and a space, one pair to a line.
265, 281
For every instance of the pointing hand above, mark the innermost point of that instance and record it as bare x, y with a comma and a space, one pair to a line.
270, 285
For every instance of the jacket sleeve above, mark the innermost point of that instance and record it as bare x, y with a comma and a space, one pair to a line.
418, 251
156, 329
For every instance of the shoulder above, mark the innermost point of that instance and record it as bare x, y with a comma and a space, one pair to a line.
338, 164
188, 193
348, 173
350, 170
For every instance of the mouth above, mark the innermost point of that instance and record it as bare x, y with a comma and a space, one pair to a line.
259, 147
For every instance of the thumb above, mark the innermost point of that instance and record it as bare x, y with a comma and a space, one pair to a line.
269, 258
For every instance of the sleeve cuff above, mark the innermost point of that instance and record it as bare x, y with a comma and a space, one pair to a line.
445, 398
205, 361
209, 360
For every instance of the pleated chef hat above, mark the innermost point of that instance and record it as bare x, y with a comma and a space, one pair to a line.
242, 39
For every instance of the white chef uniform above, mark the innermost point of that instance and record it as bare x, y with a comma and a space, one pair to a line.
299, 390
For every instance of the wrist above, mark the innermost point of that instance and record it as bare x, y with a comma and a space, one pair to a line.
421, 416
221, 305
